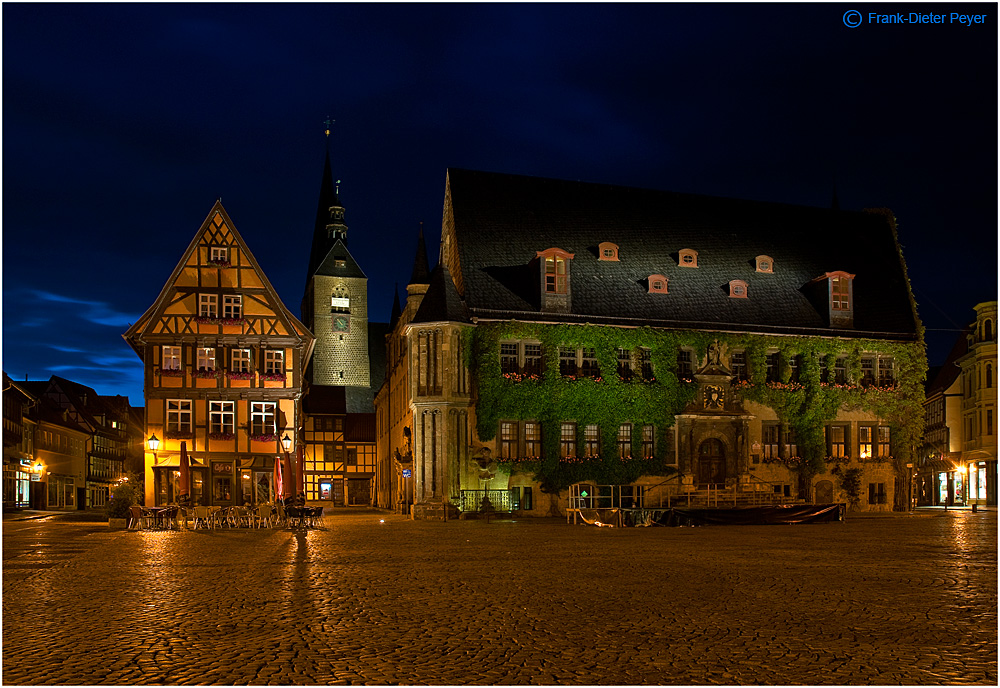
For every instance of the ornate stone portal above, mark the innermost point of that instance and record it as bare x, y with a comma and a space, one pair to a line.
712, 431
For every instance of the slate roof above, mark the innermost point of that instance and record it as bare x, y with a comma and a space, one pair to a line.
501, 221
328, 266
327, 199
420, 270
441, 303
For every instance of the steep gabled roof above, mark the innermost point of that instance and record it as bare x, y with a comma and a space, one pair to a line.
421, 273
328, 265
189, 261
501, 221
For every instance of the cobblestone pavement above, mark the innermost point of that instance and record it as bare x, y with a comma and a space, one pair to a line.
895, 600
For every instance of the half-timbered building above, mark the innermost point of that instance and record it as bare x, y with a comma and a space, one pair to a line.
223, 371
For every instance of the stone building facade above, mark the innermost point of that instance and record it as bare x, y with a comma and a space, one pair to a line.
668, 346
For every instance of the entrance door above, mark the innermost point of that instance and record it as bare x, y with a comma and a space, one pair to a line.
824, 492
359, 491
712, 462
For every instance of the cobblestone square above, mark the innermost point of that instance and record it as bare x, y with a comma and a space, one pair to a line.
892, 600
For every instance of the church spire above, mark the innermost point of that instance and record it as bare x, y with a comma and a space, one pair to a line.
396, 310
421, 274
329, 225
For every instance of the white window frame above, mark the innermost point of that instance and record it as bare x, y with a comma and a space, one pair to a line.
232, 306
222, 416
179, 415
263, 418
171, 358
206, 358
240, 361
218, 254
208, 305
274, 361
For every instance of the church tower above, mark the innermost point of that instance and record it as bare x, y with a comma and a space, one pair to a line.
335, 304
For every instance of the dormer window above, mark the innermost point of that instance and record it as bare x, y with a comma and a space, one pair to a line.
219, 255
555, 283
765, 264
687, 258
737, 289
840, 297
556, 269
340, 262
607, 251
657, 284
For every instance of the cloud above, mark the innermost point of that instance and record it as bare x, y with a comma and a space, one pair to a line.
97, 312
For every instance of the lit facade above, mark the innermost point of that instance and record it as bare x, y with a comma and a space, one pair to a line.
659, 342
223, 365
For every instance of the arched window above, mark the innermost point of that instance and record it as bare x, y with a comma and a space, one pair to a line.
765, 264
989, 375
737, 289
607, 251
687, 258
657, 284
988, 330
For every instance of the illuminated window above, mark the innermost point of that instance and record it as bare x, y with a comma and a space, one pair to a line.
625, 440
648, 441
508, 439
592, 439
555, 263
232, 306
221, 416
532, 439
206, 359
567, 440
219, 254
262, 418
340, 300
179, 415
240, 361
171, 358
840, 293
208, 305
837, 440
865, 442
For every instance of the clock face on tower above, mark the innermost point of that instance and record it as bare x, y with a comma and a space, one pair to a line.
341, 322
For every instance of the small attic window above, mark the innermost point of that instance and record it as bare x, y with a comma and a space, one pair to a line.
737, 289
840, 291
340, 262
687, 258
555, 269
657, 284
607, 251
765, 264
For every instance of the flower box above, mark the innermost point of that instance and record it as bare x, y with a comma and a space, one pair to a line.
206, 374
239, 376
220, 262
178, 434
221, 436
169, 372
273, 377
264, 438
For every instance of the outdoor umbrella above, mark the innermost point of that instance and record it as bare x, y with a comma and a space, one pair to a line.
185, 471
279, 493
286, 476
301, 471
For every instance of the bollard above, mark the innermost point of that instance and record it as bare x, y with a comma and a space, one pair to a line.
974, 508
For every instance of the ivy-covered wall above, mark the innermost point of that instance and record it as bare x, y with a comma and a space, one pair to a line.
807, 405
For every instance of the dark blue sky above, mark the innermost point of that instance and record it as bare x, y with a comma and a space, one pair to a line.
123, 123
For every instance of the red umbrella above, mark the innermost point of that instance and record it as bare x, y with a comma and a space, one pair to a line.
301, 473
185, 470
286, 476
279, 493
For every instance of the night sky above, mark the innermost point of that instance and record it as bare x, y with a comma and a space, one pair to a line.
122, 124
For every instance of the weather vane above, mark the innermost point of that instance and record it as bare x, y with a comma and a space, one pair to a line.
329, 125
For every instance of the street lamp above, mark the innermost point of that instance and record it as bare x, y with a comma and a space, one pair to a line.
154, 444
286, 442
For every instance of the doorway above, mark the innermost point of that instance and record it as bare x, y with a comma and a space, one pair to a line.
712, 462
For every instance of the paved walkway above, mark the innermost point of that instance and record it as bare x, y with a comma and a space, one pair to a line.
895, 600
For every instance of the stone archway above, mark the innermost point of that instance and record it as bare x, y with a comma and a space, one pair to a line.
712, 462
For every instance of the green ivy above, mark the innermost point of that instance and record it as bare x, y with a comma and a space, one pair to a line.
807, 406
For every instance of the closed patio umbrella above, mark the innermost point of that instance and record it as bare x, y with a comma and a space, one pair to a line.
301, 472
184, 496
279, 493
286, 476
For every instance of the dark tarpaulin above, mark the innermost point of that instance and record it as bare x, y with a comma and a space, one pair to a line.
744, 516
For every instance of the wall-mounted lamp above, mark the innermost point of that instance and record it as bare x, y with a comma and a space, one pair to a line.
154, 444
286, 442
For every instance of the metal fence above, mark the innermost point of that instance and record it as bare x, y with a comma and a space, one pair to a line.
472, 500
